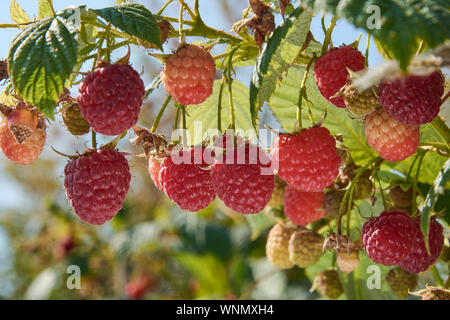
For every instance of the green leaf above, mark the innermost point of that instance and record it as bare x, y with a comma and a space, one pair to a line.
40, 59
204, 116
18, 15
134, 19
283, 104
436, 190
45, 9
282, 49
402, 22
208, 270
356, 284
258, 224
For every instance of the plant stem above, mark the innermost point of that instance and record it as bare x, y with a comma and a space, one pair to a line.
94, 139
414, 198
164, 7
230, 98
160, 114
367, 50
180, 23
183, 109
327, 40
219, 105
377, 177
303, 94
177, 119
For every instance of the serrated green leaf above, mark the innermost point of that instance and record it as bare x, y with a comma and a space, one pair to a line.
431, 164
284, 102
282, 49
402, 22
45, 9
436, 190
40, 59
18, 15
133, 19
204, 116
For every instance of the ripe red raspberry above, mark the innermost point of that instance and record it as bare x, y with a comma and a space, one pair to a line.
189, 74
392, 139
244, 179
110, 98
185, 178
22, 136
418, 259
388, 238
412, 99
96, 184
154, 166
303, 207
331, 74
308, 160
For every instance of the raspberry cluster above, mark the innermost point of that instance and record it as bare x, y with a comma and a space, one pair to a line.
393, 238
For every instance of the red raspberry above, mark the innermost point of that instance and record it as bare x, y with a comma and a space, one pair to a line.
303, 207
331, 74
154, 166
110, 98
186, 179
308, 160
418, 259
388, 238
412, 99
22, 136
96, 184
243, 178
392, 139
189, 74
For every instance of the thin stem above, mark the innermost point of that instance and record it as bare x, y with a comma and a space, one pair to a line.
183, 109
303, 93
193, 16
367, 50
322, 21
419, 50
349, 192
164, 7
180, 22
230, 99
219, 105
414, 198
94, 139
177, 119
160, 114
377, 177
412, 166
437, 276
108, 43
327, 40
445, 98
